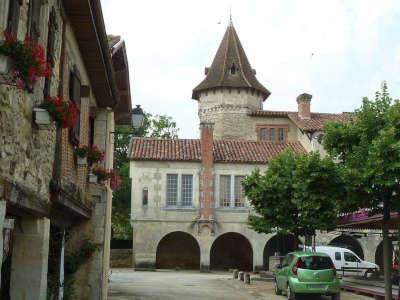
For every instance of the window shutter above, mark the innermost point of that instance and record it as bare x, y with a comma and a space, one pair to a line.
13, 16
75, 96
34, 19
50, 48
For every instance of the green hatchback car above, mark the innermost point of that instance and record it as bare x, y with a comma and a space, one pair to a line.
306, 272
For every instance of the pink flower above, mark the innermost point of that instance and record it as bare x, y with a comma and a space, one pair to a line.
16, 73
20, 83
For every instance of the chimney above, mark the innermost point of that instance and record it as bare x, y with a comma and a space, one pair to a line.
303, 102
207, 171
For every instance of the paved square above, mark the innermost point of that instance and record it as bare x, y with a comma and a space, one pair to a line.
182, 285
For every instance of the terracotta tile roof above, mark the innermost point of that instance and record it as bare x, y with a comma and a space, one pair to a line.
230, 53
317, 120
235, 151
315, 123
270, 113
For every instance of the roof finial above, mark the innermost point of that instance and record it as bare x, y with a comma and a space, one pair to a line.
230, 15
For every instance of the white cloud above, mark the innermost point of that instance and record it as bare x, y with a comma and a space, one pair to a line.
354, 46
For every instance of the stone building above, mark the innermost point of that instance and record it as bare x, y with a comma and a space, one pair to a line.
48, 207
187, 205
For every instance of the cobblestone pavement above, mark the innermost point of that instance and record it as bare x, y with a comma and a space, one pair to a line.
181, 285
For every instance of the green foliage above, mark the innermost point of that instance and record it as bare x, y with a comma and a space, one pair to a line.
78, 257
297, 194
369, 148
153, 126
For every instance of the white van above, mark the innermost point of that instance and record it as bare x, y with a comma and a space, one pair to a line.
347, 262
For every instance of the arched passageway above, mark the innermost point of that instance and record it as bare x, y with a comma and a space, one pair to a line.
349, 242
231, 251
279, 244
178, 250
379, 254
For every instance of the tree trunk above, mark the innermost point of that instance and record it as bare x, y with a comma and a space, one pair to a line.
387, 255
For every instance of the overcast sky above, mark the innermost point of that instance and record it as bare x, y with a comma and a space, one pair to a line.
339, 51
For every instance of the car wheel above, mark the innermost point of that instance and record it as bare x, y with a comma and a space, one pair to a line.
290, 295
277, 290
336, 296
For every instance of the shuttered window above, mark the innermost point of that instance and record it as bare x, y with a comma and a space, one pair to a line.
75, 96
13, 16
50, 48
34, 19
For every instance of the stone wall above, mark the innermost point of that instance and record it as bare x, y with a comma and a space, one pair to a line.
121, 258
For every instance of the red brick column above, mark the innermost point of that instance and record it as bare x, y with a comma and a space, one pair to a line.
207, 172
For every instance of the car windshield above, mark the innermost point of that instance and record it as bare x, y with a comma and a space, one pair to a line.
315, 262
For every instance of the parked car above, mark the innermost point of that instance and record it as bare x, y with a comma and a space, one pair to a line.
306, 272
348, 262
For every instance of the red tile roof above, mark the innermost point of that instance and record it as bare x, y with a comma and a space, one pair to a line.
317, 120
235, 151
315, 123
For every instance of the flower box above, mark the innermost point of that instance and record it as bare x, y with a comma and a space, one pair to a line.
6, 64
41, 117
92, 178
81, 161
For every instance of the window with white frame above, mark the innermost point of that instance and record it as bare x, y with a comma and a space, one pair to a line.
239, 193
231, 193
179, 190
187, 190
172, 189
225, 190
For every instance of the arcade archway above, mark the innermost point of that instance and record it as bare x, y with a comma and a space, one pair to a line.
231, 251
349, 242
178, 250
279, 244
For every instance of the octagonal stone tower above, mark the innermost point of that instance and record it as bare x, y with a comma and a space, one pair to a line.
230, 90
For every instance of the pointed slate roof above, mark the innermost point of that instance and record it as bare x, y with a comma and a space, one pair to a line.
230, 68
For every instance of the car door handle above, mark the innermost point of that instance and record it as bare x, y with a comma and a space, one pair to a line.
346, 264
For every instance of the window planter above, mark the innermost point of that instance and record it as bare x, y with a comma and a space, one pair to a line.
6, 64
41, 117
92, 178
81, 161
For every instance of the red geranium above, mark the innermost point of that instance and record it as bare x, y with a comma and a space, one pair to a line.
115, 180
30, 62
95, 155
63, 112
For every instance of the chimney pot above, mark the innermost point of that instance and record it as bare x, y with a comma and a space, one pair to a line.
303, 102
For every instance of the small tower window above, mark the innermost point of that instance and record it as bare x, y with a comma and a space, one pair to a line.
233, 69
145, 197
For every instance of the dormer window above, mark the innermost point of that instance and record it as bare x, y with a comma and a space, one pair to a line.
233, 69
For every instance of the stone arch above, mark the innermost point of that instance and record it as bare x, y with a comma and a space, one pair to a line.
280, 244
231, 250
379, 254
178, 250
349, 242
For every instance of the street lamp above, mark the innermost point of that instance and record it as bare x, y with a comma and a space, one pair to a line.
137, 117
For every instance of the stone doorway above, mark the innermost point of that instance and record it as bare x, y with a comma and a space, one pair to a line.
349, 242
231, 251
280, 245
178, 250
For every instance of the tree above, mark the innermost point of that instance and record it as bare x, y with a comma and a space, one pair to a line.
153, 126
297, 194
369, 148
